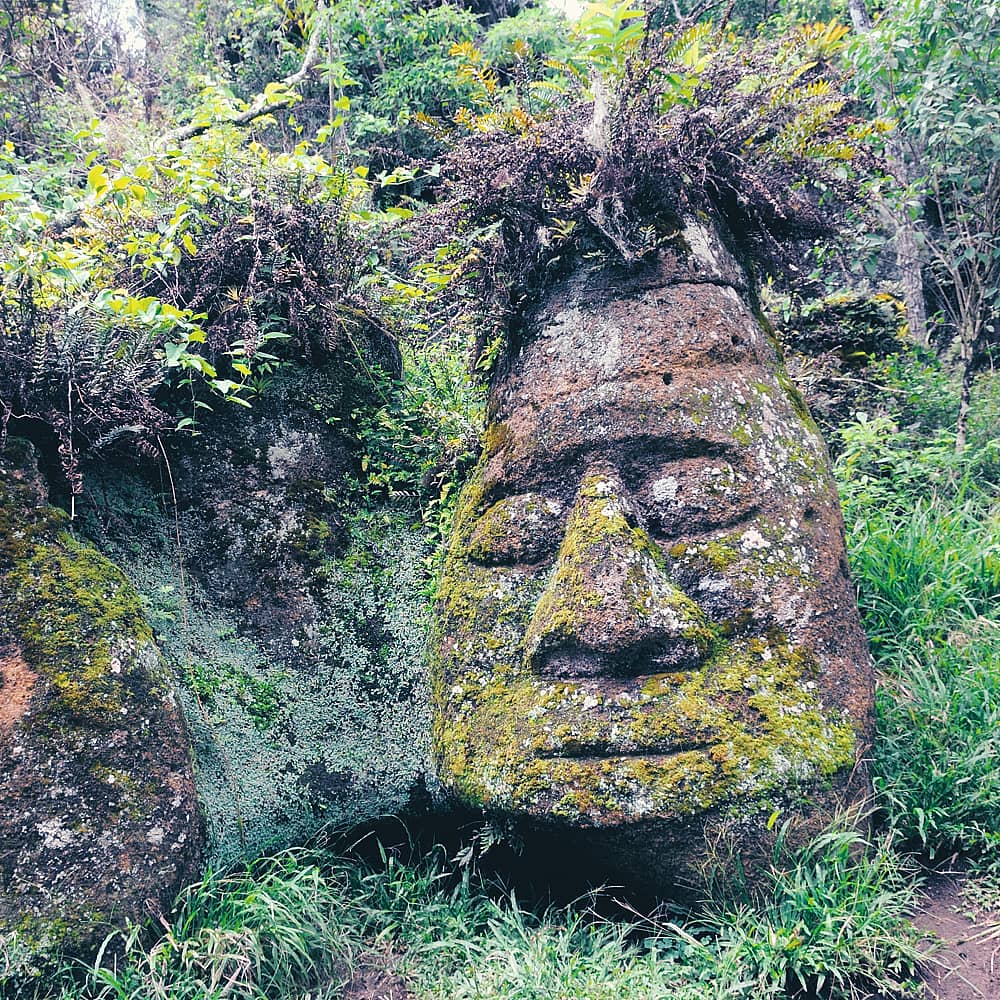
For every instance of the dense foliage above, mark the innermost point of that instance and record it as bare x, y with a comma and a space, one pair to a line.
232, 186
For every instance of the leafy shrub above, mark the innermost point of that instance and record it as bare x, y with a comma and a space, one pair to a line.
884, 467
539, 31
425, 426
390, 57
133, 300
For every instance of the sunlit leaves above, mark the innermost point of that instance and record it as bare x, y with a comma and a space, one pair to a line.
821, 40
686, 58
935, 65
609, 33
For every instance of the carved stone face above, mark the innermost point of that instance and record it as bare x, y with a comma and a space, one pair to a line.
645, 615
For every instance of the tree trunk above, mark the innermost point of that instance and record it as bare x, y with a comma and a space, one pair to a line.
903, 227
860, 18
908, 255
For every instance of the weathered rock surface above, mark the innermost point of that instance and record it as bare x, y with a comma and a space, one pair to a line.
297, 637
647, 641
260, 490
99, 821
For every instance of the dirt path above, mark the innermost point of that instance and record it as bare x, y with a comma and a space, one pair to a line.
968, 964
375, 978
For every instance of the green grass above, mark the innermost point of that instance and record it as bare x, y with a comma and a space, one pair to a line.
939, 743
297, 926
924, 572
833, 917
923, 532
276, 929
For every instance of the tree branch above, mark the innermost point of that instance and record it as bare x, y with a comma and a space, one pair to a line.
258, 109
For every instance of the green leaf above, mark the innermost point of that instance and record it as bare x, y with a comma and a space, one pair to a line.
173, 353
97, 178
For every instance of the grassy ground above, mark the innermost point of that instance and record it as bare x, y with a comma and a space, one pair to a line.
832, 920
301, 925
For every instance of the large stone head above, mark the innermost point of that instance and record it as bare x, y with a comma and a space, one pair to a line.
646, 628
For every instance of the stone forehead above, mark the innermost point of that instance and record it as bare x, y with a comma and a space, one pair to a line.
658, 342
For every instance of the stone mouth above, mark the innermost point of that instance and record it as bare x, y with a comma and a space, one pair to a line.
587, 753
644, 660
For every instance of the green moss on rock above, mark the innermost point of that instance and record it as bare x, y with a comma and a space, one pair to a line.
745, 725
101, 814
76, 617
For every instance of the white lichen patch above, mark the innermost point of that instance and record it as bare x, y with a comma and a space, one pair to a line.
284, 455
665, 489
698, 241
54, 835
753, 541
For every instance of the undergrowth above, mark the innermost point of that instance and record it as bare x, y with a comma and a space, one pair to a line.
828, 921
306, 925
923, 532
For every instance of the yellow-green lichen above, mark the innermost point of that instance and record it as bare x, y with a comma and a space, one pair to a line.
599, 534
497, 435
75, 617
747, 725
796, 398
720, 555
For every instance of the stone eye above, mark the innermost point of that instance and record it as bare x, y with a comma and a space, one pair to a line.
519, 529
698, 495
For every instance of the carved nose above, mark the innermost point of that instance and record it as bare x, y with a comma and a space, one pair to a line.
609, 607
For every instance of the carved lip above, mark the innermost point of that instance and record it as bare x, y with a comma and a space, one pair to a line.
588, 753
648, 658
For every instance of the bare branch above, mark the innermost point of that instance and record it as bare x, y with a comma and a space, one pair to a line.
260, 108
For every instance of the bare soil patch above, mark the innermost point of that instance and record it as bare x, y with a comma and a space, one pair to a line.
17, 682
967, 967
375, 978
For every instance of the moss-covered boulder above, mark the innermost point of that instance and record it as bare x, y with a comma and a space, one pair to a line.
99, 823
647, 641
290, 608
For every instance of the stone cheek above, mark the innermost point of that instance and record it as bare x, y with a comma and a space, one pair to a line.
100, 822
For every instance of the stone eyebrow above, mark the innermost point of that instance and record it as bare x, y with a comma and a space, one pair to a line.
640, 469
533, 473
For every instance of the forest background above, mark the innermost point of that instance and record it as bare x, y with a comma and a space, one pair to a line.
193, 194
